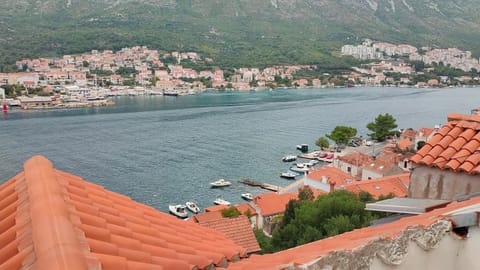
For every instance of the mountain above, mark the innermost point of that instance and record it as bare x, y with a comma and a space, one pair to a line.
234, 32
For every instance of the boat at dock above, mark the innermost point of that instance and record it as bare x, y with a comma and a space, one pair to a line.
220, 183
193, 207
247, 196
288, 175
178, 210
220, 201
303, 147
301, 167
289, 158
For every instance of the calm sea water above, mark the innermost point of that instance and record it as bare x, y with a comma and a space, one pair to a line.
161, 150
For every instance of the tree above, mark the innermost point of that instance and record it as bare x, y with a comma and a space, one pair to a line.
322, 142
306, 194
420, 144
342, 134
383, 126
230, 212
310, 220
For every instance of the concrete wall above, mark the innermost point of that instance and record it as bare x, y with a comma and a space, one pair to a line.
451, 253
433, 183
433, 248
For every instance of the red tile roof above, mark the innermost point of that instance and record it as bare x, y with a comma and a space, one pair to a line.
238, 229
455, 147
356, 158
409, 134
394, 184
332, 173
54, 220
215, 208
426, 131
404, 144
309, 253
273, 203
246, 207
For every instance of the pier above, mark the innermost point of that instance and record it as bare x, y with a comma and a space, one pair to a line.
255, 183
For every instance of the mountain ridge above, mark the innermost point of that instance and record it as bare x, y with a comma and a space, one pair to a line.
239, 32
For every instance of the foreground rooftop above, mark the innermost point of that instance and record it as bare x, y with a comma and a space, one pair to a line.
50, 219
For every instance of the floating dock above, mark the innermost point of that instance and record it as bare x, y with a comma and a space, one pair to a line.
255, 183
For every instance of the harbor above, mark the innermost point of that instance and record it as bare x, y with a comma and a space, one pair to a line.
167, 150
255, 183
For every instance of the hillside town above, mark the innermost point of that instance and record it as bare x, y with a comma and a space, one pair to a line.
88, 79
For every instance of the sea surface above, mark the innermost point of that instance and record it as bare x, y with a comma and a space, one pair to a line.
166, 150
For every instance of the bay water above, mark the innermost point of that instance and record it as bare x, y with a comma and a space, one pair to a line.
166, 150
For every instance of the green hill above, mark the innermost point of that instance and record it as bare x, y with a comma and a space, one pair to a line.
235, 32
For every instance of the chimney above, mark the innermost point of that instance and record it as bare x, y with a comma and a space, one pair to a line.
332, 184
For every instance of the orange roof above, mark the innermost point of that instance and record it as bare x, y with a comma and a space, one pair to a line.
348, 242
215, 208
404, 144
244, 207
238, 229
454, 147
331, 173
54, 220
409, 133
394, 184
426, 131
273, 203
207, 216
356, 158
384, 164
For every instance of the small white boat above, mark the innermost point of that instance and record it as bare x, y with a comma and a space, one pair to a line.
220, 201
193, 207
221, 183
288, 175
247, 196
300, 167
178, 210
289, 158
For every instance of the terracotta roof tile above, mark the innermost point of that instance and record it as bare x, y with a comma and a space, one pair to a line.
60, 221
454, 147
303, 256
394, 184
404, 144
246, 207
238, 229
331, 173
273, 203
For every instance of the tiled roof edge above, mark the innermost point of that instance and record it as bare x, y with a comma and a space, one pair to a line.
392, 249
54, 236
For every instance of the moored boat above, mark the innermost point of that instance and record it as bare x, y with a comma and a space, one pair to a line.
178, 210
300, 167
289, 158
220, 183
288, 175
193, 207
247, 196
220, 201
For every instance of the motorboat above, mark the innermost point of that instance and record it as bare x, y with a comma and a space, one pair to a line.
313, 162
289, 158
221, 183
302, 147
220, 201
178, 210
288, 175
193, 207
300, 167
247, 196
